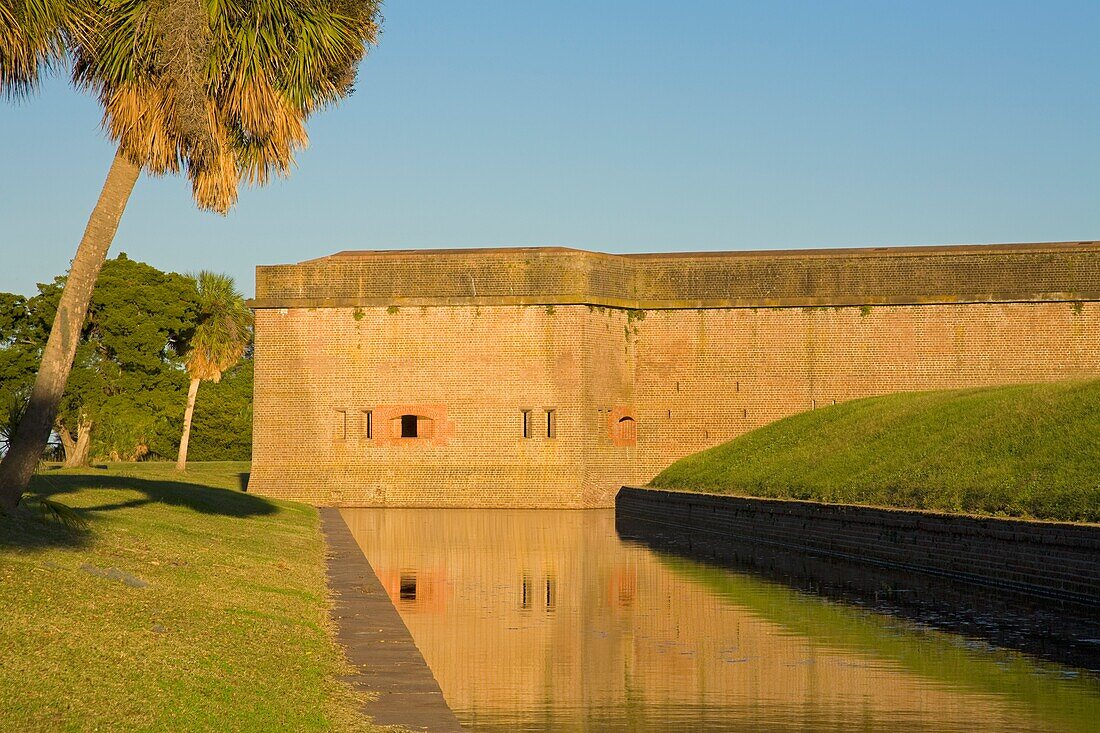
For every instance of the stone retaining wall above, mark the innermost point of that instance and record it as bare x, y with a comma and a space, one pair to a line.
1054, 560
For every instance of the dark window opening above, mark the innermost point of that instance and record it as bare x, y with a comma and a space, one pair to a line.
551, 423
368, 424
525, 593
407, 591
551, 593
408, 426
526, 423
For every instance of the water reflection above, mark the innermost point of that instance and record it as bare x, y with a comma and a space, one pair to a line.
546, 621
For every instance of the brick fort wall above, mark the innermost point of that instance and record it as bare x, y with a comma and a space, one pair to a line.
549, 377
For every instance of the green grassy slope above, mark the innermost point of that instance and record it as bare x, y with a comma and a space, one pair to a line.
1026, 450
188, 605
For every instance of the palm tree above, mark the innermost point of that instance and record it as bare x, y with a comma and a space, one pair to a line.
219, 89
219, 341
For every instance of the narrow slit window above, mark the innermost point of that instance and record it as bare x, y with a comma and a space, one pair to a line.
525, 592
526, 423
551, 423
551, 593
368, 424
341, 424
408, 426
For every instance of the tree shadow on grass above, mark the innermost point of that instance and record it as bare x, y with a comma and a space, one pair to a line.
24, 531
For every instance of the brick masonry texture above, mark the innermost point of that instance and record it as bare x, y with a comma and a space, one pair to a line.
698, 349
1050, 560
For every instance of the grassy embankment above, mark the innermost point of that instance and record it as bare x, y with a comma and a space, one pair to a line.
187, 605
1026, 450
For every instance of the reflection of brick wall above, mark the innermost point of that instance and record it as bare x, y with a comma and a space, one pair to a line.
477, 352
631, 628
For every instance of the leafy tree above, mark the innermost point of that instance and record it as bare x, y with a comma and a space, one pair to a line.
127, 379
222, 334
220, 89
19, 348
125, 396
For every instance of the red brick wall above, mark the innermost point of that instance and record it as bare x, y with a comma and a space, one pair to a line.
692, 378
482, 366
707, 376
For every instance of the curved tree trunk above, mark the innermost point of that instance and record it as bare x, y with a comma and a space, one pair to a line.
57, 358
67, 442
192, 391
76, 449
83, 444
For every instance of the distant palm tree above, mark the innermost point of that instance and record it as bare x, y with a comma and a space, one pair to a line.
220, 89
220, 339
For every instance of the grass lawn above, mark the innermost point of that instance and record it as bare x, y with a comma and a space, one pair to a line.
187, 605
1026, 450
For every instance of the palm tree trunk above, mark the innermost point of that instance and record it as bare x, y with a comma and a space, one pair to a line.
192, 391
57, 358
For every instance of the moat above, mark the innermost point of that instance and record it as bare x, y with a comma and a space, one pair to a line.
550, 621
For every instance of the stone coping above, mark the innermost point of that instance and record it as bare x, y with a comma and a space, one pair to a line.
956, 274
1089, 530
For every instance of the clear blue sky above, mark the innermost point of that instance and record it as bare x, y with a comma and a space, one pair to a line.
628, 126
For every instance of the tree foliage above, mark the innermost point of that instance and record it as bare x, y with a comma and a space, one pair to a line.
221, 335
223, 330
129, 379
222, 426
219, 89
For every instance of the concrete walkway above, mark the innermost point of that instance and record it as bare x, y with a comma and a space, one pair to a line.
376, 641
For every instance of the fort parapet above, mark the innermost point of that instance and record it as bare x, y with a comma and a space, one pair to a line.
548, 377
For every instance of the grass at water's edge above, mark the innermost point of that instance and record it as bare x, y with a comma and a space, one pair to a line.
1026, 450
187, 605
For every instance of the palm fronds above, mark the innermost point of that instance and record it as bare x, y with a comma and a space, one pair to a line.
33, 36
48, 510
224, 328
220, 89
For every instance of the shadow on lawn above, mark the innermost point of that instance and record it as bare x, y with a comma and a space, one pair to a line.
23, 531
